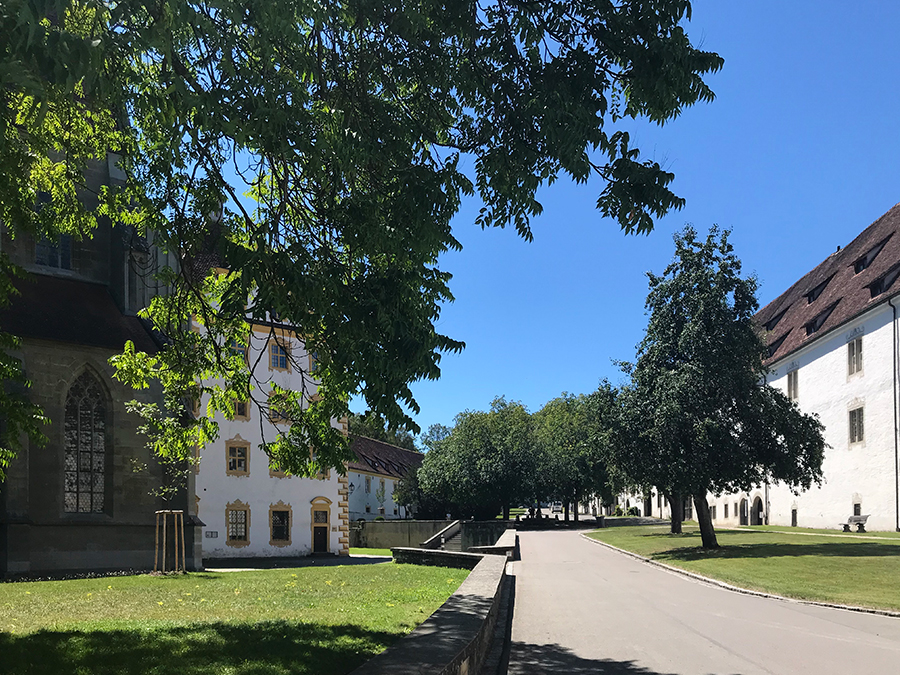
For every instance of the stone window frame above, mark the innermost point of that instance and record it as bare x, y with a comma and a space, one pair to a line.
106, 482
857, 428
855, 356
281, 506
234, 507
368, 485
285, 346
274, 415
793, 384
237, 442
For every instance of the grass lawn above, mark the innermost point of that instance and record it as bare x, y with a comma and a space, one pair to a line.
810, 530
371, 551
310, 620
826, 569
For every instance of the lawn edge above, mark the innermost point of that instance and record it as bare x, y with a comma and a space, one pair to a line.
739, 589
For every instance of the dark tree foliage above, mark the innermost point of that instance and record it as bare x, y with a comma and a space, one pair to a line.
327, 143
371, 426
698, 416
486, 464
572, 434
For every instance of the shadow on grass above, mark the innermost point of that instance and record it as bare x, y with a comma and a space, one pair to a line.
837, 549
263, 648
529, 659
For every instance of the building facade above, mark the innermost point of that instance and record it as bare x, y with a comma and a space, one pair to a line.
834, 348
373, 476
84, 500
248, 508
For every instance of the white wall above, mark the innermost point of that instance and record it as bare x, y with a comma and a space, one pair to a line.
860, 471
259, 489
359, 499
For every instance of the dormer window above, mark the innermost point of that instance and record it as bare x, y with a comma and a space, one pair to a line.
817, 291
817, 323
864, 261
774, 346
771, 323
884, 282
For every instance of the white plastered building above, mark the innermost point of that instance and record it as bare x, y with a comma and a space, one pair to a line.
834, 346
373, 476
248, 509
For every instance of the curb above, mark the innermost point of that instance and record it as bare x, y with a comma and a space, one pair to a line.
738, 589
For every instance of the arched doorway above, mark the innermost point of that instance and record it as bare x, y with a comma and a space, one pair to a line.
320, 512
648, 506
756, 514
745, 516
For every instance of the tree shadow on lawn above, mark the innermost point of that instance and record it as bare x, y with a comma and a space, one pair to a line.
263, 648
838, 549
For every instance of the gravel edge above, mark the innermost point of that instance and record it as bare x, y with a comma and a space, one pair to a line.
738, 589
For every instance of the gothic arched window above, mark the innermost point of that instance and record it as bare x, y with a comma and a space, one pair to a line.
85, 429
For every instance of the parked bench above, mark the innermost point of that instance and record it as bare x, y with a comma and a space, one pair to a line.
859, 521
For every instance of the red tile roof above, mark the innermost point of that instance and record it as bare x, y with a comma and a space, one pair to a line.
835, 292
382, 458
67, 310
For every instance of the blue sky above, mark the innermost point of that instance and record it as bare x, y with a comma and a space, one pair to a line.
799, 152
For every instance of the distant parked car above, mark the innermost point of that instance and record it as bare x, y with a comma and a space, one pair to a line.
556, 507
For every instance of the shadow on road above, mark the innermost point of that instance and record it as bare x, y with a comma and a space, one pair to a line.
528, 659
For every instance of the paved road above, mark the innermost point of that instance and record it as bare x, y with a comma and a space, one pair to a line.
582, 608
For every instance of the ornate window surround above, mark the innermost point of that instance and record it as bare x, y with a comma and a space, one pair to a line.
235, 507
281, 506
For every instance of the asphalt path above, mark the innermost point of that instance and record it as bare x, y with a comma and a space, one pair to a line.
582, 608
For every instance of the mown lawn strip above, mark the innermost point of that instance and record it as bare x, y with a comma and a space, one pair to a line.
824, 569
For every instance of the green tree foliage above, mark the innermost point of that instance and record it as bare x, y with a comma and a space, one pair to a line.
409, 493
698, 416
488, 463
371, 426
315, 149
572, 434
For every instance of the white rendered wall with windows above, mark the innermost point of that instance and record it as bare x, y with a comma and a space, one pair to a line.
249, 509
844, 376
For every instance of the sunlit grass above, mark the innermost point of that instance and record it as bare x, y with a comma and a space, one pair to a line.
826, 569
308, 620
371, 551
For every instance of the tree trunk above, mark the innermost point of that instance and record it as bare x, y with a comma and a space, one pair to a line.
707, 531
676, 505
506, 512
575, 514
566, 507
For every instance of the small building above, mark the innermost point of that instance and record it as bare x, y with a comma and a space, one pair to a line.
373, 476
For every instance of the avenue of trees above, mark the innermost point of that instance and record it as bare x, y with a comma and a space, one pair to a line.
695, 416
318, 151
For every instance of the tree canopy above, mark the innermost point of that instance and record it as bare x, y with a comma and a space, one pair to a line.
486, 464
316, 151
573, 435
698, 415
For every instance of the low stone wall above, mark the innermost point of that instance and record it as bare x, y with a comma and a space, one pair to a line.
457, 637
391, 533
506, 546
436, 557
481, 532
